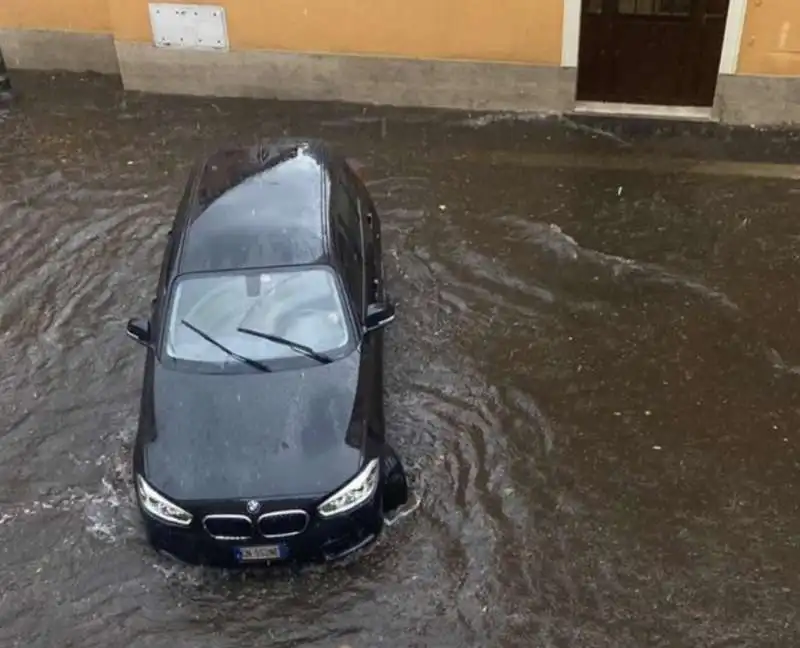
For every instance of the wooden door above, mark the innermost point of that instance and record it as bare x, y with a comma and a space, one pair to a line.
662, 52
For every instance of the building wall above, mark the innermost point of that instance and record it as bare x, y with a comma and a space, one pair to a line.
86, 16
771, 38
522, 32
447, 53
58, 34
443, 53
766, 86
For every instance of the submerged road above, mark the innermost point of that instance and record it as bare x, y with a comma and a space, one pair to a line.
594, 380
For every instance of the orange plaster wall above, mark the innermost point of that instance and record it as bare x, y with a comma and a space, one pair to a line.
524, 31
771, 38
88, 16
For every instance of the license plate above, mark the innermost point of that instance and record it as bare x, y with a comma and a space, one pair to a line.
261, 553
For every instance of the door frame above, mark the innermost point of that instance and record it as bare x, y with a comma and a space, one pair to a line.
731, 43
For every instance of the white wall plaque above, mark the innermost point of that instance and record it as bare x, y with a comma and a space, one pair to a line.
188, 26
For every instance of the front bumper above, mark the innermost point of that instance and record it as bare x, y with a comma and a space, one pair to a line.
324, 540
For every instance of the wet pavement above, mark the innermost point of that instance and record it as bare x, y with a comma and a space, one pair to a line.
594, 380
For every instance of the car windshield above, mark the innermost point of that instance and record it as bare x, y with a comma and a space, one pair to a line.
302, 306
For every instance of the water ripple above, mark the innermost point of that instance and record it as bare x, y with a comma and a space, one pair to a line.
594, 391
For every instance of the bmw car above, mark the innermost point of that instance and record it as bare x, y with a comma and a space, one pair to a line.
261, 434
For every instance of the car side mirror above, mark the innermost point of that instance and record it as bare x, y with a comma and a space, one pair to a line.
378, 315
139, 330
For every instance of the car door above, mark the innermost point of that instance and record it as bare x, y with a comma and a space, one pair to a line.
373, 268
371, 227
374, 283
350, 240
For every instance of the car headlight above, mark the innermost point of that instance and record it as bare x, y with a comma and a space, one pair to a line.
159, 506
355, 493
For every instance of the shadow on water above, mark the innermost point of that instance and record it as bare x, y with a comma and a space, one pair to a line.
594, 381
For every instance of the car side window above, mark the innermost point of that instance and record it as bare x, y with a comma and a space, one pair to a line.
347, 239
368, 227
365, 202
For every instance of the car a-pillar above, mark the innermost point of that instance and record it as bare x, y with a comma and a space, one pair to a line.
6, 92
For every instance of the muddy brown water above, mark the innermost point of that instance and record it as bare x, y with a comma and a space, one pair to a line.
594, 381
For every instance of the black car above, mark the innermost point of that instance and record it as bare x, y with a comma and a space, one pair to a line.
261, 432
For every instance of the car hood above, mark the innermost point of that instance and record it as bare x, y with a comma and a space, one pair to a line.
263, 435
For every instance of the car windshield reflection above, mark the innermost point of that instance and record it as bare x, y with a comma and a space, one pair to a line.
303, 306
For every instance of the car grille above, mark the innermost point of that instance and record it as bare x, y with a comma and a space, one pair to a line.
281, 524
228, 527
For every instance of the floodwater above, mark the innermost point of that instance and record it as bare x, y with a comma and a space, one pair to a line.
594, 381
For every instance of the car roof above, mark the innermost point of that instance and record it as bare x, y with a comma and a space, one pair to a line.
262, 205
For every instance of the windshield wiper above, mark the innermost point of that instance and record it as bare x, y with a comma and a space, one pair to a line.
248, 361
300, 348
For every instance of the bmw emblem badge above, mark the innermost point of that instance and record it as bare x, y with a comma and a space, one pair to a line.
252, 507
